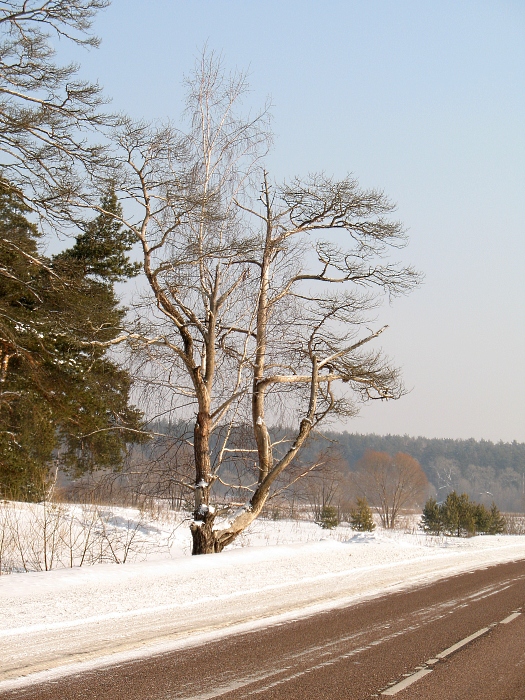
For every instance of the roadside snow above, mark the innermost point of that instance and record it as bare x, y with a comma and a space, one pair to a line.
65, 620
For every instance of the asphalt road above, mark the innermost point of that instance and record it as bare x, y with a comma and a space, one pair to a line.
460, 638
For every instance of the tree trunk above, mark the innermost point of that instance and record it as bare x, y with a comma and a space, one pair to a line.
204, 539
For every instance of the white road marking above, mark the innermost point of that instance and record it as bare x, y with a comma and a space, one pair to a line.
510, 618
408, 681
462, 643
413, 677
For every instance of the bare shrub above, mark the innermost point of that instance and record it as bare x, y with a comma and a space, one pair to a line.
514, 523
48, 535
390, 484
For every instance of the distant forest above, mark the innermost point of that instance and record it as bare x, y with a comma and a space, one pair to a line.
485, 470
500, 456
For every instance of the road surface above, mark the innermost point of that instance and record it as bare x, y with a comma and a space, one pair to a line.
462, 637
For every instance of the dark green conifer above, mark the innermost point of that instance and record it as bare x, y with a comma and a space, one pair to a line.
101, 250
497, 523
361, 518
481, 517
458, 515
62, 401
432, 521
461, 517
328, 519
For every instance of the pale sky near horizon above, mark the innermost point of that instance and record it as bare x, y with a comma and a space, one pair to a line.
422, 98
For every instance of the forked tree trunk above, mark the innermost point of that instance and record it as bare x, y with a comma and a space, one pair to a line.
206, 540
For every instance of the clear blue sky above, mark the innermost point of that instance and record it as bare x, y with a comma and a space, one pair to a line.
425, 99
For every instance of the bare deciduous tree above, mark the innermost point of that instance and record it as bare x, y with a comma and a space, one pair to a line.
259, 293
326, 484
48, 115
390, 484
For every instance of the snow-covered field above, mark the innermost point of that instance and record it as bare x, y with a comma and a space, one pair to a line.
68, 619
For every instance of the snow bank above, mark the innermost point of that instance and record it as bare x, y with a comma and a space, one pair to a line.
68, 619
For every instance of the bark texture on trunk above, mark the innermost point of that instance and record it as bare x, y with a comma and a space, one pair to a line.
205, 540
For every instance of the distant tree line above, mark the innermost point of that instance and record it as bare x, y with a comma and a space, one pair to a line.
484, 453
485, 470
332, 468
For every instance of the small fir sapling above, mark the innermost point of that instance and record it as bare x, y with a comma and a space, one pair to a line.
328, 519
497, 524
361, 518
432, 520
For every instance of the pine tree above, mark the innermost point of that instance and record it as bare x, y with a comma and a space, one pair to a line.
61, 398
328, 518
481, 517
361, 518
26, 435
497, 523
432, 519
461, 517
458, 515
101, 250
